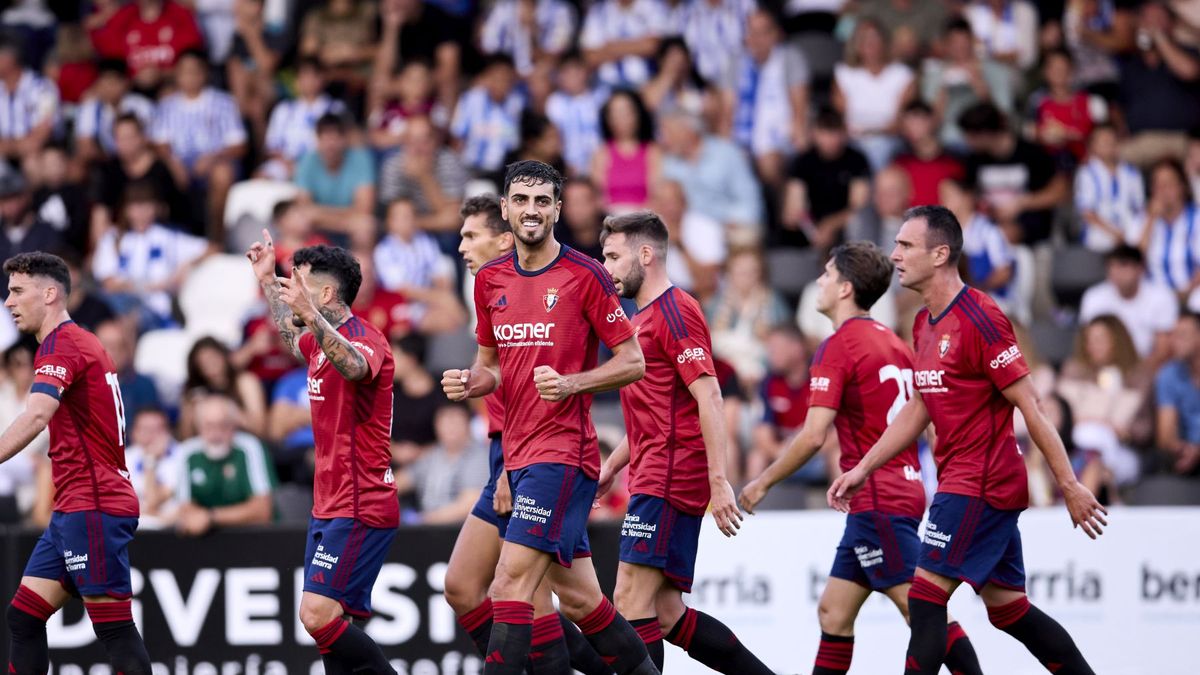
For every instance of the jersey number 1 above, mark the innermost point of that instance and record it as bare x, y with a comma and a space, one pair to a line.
904, 381
115, 385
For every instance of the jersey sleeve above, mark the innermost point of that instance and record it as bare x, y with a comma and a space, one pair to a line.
483, 316
54, 369
602, 309
373, 348
827, 376
685, 340
1001, 359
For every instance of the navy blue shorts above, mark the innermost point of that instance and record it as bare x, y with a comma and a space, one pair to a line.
484, 509
342, 559
656, 534
87, 552
551, 505
967, 539
877, 550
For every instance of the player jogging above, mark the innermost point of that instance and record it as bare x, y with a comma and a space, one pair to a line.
968, 376
542, 311
675, 448
860, 378
486, 235
355, 509
83, 551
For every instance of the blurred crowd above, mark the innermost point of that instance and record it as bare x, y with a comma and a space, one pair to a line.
150, 142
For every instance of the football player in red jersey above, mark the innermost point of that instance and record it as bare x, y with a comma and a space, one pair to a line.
968, 377
355, 508
542, 312
675, 448
860, 378
83, 552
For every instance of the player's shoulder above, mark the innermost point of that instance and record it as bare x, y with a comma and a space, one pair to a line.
982, 315
586, 268
681, 314
69, 340
494, 267
358, 329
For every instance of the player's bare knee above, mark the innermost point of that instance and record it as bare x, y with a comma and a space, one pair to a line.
462, 593
669, 608
834, 620
316, 614
576, 604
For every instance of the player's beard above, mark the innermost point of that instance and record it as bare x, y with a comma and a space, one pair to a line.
531, 239
631, 283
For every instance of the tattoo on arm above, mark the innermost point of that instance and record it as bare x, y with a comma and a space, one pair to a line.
345, 358
282, 314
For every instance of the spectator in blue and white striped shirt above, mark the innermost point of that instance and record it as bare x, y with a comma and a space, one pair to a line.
487, 120
714, 31
292, 130
527, 30
575, 110
408, 260
28, 106
199, 132
1170, 236
1109, 194
110, 98
619, 38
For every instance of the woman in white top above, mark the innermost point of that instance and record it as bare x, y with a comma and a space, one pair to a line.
1006, 31
1170, 237
870, 90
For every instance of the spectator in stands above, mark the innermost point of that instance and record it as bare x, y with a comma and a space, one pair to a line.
742, 313
1191, 160
226, 478
255, 54
412, 29
486, 122
289, 426
415, 398
619, 38
715, 175
429, 174
408, 260
766, 98
341, 35
199, 132
870, 89
1147, 308
914, 24
628, 162
880, 219
96, 118
210, 371
446, 478
986, 254
1178, 396
924, 159
142, 263
393, 101
337, 182
575, 109
18, 486
1170, 235
294, 230
582, 217
59, 200
715, 33
961, 79
825, 186
1109, 194
30, 102
784, 395
134, 160
72, 64
528, 31
1062, 116
21, 228
152, 459
1095, 32
540, 141
1158, 91
677, 83
1018, 183
1007, 30
138, 392
86, 307
697, 247
292, 130
148, 35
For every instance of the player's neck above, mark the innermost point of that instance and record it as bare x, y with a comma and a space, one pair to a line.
53, 320
846, 311
654, 285
940, 292
336, 315
532, 259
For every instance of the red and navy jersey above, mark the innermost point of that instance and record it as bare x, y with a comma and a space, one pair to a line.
865, 373
352, 424
556, 317
667, 457
87, 432
965, 357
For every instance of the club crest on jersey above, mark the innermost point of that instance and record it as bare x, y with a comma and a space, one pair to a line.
550, 299
320, 359
944, 345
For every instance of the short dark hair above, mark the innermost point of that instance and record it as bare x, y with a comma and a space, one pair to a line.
643, 226
1188, 314
942, 228
917, 106
958, 25
39, 264
193, 53
866, 268
26, 343
140, 191
310, 63
130, 118
645, 123
112, 67
331, 122
532, 172
282, 207
829, 119
1176, 167
336, 262
412, 344
1057, 52
1124, 253
982, 118
487, 205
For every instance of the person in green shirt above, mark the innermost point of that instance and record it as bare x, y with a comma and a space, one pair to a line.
227, 477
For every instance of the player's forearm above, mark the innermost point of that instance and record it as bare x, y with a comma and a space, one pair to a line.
624, 367
712, 430
797, 454
619, 459
338, 351
900, 434
281, 314
254, 511
485, 379
1046, 438
21, 433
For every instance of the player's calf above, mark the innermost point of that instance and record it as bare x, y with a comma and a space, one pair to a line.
1044, 637
339, 641
636, 598
28, 652
712, 643
927, 618
113, 624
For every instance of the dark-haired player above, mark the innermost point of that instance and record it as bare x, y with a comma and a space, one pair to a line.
542, 311
675, 449
968, 376
860, 378
355, 509
84, 549
486, 235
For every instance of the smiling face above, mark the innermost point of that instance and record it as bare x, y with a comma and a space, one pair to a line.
531, 210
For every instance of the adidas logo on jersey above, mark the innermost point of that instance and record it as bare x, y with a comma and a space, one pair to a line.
318, 578
536, 531
503, 301
641, 546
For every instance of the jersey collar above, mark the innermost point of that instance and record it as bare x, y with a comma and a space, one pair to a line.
933, 320
562, 251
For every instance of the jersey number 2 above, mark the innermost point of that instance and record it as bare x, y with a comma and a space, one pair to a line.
904, 381
115, 385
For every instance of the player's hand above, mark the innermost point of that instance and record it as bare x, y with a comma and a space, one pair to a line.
502, 500
752, 494
1085, 511
844, 488
607, 478
455, 384
262, 258
550, 385
295, 294
724, 508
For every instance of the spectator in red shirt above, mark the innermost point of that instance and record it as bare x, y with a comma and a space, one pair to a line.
1061, 116
925, 160
148, 34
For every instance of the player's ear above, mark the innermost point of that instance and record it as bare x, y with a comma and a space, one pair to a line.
504, 208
